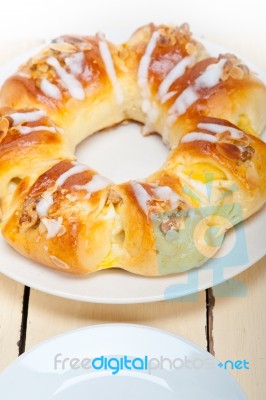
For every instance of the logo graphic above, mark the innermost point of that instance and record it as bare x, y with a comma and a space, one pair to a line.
194, 237
116, 364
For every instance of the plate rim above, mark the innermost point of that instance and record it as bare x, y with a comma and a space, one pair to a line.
129, 300
149, 329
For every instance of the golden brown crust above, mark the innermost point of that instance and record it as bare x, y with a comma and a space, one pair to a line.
209, 110
73, 222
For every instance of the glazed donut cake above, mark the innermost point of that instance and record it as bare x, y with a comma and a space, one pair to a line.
209, 110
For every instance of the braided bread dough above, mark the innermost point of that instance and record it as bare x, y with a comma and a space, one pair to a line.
209, 111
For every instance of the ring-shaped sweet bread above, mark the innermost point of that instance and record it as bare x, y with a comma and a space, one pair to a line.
209, 111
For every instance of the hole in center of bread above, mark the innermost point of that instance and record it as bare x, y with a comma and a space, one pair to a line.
122, 153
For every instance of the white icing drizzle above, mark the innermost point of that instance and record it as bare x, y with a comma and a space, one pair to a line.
211, 76
145, 61
87, 73
168, 96
30, 116
50, 90
141, 195
53, 226
216, 128
47, 201
197, 136
109, 65
72, 171
164, 193
173, 75
72, 84
44, 204
97, 183
75, 63
147, 107
25, 130
208, 79
184, 101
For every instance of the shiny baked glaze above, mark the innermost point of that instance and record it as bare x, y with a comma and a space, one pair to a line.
230, 155
59, 204
93, 77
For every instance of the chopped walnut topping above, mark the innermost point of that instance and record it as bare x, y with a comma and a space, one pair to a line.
72, 197
184, 29
174, 35
247, 153
234, 68
114, 197
173, 222
43, 67
157, 204
236, 147
29, 216
38, 58
191, 48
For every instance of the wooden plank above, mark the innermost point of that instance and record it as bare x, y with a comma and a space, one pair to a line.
11, 296
50, 316
239, 329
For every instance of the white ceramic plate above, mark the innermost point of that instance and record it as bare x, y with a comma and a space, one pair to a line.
189, 373
121, 154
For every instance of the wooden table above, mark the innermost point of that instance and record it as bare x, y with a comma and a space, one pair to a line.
229, 327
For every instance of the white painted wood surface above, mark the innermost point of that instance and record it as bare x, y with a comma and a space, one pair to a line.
185, 319
239, 330
11, 297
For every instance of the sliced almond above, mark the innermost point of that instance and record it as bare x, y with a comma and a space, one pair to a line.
59, 263
61, 231
64, 47
237, 72
85, 46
